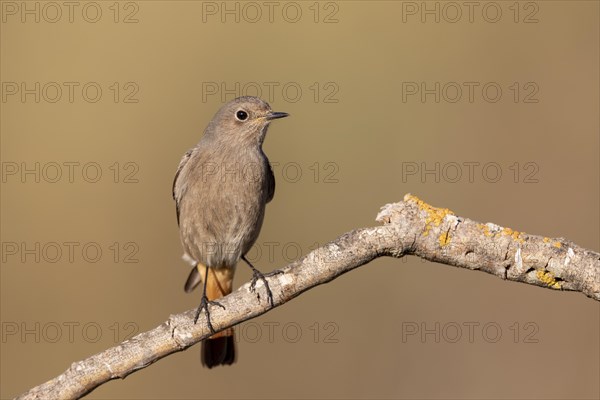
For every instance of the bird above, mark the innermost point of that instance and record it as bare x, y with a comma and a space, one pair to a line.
221, 188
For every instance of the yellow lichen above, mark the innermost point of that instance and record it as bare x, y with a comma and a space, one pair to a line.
548, 278
444, 239
558, 245
514, 234
435, 215
485, 229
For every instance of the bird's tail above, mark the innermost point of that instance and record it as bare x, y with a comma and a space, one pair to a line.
219, 349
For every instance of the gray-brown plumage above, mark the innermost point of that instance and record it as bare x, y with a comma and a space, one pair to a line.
221, 188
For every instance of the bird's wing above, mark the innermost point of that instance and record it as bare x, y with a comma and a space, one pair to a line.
193, 280
270, 182
178, 187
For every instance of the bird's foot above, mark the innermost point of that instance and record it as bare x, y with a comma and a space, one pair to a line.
256, 275
204, 305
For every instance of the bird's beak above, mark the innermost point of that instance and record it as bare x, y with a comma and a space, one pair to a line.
275, 115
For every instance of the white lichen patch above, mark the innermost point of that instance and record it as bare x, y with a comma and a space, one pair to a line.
285, 279
107, 365
333, 247
185, 335
385, 215
569, 257
454, 220
493, 228
518, 260
380, 230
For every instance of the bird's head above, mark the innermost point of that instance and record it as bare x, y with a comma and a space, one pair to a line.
243, 119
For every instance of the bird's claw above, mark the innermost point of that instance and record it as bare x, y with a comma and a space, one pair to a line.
256, 275
204, 303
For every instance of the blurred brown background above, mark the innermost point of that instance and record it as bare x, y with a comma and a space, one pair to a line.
126, 88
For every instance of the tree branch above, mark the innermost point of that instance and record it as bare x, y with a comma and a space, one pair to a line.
410, 227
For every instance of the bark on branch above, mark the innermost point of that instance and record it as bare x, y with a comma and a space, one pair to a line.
411, 227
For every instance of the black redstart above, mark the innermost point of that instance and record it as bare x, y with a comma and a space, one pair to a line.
221, 188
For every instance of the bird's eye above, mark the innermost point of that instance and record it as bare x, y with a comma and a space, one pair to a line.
241, 115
